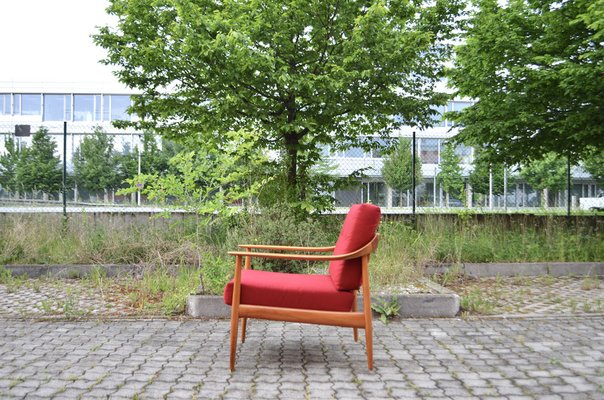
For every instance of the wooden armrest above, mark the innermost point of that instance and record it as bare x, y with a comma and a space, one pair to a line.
286, 248
367, 249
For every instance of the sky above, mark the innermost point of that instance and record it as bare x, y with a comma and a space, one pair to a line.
49, 41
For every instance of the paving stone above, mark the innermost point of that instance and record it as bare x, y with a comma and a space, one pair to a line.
140, 349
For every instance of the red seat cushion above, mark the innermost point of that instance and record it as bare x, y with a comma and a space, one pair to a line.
358, 230
276, 289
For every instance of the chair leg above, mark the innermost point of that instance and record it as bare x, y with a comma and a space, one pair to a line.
368, 313
234, 331
355, 331
243, 329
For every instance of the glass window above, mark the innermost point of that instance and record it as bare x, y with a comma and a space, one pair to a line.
106, 108
429, 151
464, 152
31, 104
16, 104
97, 107
5, 104
68, 107
83, 107
354, 152
460, 105
119, 104
54, 107
378, 153
438, 117
375, 193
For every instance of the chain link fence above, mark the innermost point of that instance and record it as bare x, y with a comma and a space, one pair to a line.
501, 190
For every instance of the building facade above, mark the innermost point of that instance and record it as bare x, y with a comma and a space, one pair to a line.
87, 107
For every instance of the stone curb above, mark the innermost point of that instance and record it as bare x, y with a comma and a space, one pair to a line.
71, 271
482, 270
442, 304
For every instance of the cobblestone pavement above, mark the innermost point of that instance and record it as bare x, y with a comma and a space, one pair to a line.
63, 298
545, 295
554, 358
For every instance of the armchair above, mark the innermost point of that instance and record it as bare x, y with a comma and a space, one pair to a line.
328, 299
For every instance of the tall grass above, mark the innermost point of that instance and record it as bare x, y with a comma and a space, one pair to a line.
403, 251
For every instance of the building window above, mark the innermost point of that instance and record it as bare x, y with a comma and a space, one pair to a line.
375, 193
119, 105
429, 151
54, 107
31, 104
83, 107
464, 152
16, 104
438, 118
106, 107
378, 152
5, 104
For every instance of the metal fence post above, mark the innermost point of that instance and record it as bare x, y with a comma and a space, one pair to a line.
413, 179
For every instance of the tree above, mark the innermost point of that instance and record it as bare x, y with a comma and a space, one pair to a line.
94, 163
307, 74
480, 176
208, 180
594, 165
38, 169
535, 69
548, 173
397, 169
8, 166
450, 176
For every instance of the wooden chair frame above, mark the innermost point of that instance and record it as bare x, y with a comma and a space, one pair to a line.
352, 319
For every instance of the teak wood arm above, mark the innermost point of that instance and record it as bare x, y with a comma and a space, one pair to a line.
287, 248
367, 249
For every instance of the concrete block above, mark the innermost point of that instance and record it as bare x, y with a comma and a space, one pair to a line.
202, 306
480, 270
428, 305
576, 269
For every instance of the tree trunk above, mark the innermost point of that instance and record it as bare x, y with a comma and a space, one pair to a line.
292, 141
544, 199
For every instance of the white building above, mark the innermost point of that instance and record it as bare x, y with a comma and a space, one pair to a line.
26, 107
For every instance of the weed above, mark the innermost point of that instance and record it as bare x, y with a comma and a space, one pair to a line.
476, 302
573, 305
590, 283
46, 307
548, 280
15, 382
586, 307
386, 309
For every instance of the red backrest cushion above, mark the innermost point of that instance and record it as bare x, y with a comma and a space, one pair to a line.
358, 230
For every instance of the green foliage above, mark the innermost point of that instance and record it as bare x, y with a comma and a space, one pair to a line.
8, 166
594, 164
479, 177
535, 69
38, 169
547, 173
450, 175
216, 272
209, 179
397, 169
282, 226
306, 74
95, 164
476, 301
386, 309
